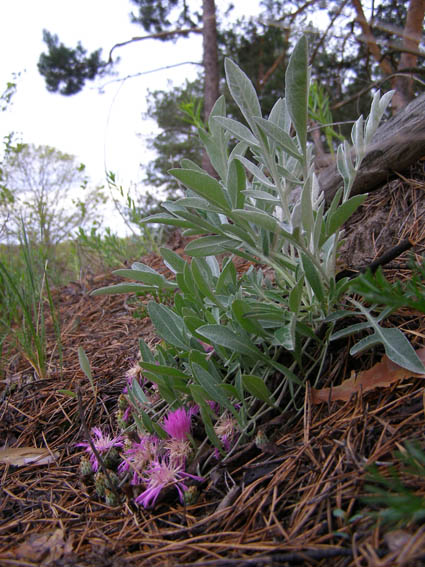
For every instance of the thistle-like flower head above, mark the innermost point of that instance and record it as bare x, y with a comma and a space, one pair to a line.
161, 474
103, 443
178, 424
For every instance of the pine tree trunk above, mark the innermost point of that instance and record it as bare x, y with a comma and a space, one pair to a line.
211, 73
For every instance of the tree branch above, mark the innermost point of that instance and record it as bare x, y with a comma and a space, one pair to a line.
157, 35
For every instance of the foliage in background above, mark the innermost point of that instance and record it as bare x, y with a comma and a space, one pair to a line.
66, 69
98, 251
340, 63
43, 186
177, 138
25, 300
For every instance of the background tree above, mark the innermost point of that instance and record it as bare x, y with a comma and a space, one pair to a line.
65, 69
350, 56
40, 180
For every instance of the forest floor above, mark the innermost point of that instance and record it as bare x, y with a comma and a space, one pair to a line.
296, 502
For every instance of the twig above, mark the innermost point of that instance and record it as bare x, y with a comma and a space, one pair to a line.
157, 35
134, 75
384, 259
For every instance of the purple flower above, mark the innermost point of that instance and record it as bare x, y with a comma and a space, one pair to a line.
160, 475
103, 444
178, 424
138, 457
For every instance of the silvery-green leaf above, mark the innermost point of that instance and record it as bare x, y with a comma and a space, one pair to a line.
163, 218
85, 364
257, 217
279, 136
145, 352
130, 287
168, 325
223, 336
287, 174
202, 184
149, 278
296, 295
256, 172
187, 163
198, 221
238, 130
335, 221
350, 330
213, 265
257, 388
242, 91
239, 150
139, 266
203, 281
306, 207
357, 137
219, 109
228, 279
313, 277
197, 203
201, 398
138, 392
397, 347
210, 246
279, 115
164, 370
384, 102
206, 380
216, 150
319, 226
172, 260
296, 90
261, 195
342, 166
285, 335
241, 310
240, 233
236, 183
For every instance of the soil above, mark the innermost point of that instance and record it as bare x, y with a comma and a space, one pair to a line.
295, 501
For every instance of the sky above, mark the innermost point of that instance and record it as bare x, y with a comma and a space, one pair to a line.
104, 131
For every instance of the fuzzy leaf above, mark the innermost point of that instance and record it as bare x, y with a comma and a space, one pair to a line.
202, 184
256, 387
168, 325
173, 261
296, 90
238, 130
242, 91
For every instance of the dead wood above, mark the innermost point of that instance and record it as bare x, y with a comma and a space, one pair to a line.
396, 145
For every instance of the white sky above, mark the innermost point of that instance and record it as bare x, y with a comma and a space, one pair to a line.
100, 129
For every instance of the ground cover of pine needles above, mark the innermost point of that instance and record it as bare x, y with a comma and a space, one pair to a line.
295, 499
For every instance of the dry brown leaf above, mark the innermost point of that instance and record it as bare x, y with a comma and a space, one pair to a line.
381, 375
22, 456
44, 548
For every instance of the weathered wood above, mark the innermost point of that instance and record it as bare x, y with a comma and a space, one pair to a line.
397, 144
